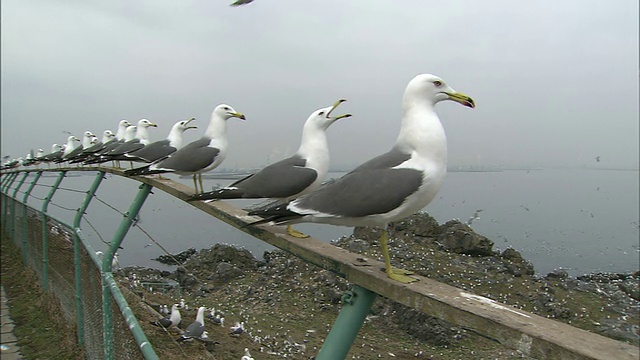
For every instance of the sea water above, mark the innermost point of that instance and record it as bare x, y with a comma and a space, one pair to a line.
581, 220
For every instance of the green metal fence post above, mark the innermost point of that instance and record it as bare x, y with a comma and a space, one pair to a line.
357, 304
7, 184
24, 215
5, 180
45, 231
125, 224
5, 204
76, 254
13, 205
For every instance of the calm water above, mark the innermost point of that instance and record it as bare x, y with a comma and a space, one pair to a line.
580, 220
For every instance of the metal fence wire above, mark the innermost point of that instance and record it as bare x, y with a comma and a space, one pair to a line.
91, 307
50, 253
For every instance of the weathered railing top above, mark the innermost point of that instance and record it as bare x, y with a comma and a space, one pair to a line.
531, 334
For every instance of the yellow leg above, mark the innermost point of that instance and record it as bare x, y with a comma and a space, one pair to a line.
395, 274
200, 180
295, 233
195, 184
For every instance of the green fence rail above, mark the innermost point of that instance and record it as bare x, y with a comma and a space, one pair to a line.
87, 291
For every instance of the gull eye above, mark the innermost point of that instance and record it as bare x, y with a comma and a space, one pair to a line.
437, 83
321, 113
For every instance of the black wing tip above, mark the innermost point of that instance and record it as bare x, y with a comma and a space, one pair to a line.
198, 197
137, 171
278, 214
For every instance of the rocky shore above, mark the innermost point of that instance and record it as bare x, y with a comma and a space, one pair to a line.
288, 306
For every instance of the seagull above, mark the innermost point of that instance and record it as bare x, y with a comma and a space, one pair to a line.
114, 261
237, 329
81, 153
111, 144
136, 138
71, 146
56, 155
211, 314
171, 320
38, 158
292, 177
198, 156
107, 136
247, 355
391, 186
55, 151
196, 328
163, 148
86, 142
119, 138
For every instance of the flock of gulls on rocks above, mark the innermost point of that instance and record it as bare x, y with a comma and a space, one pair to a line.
386, 188
196, 330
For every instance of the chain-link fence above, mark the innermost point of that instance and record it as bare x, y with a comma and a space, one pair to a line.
52, 254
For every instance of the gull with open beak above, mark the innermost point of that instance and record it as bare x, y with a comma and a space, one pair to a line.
292, 177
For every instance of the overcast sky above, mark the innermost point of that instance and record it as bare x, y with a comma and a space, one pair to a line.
555, 82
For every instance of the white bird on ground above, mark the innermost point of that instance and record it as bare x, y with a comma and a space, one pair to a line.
171, 320
196, 328
247, 355
237, 329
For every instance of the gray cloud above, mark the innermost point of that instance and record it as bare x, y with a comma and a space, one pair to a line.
556, 83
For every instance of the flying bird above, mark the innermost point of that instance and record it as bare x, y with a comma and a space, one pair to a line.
241, 2
391, 186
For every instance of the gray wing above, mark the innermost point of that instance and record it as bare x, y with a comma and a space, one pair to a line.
94, 148
165, 322
195, 329
279, 180
194, 157
127, 147
372, 188
110, 145
154, 151
74, 152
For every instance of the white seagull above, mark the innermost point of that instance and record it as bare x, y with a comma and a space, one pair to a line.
160, 149
391, 186
172, 320
198, 156
196, 328
292, 177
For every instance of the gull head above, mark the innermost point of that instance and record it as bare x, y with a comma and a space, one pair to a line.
144, 123
184, 125
322, 118
226, 112
432, 88
107, 135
